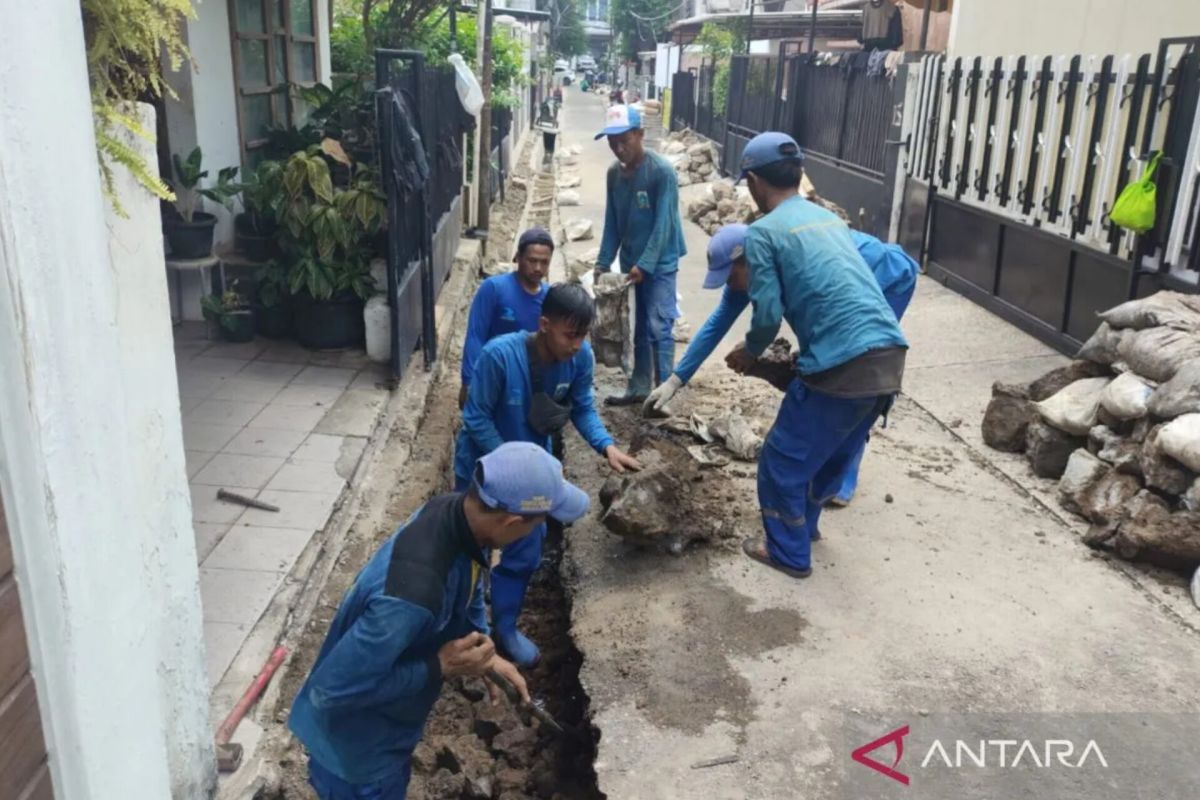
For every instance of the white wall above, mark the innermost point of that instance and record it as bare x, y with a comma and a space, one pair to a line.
91, 455
1015, 27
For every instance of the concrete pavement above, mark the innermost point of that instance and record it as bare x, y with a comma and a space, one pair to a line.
950, 585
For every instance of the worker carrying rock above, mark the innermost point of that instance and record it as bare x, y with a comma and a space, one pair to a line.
414, 616
525, 388
508, 303
642, 223
894, 271
851, 356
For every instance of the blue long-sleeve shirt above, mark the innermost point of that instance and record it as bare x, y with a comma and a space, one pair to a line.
894, 271
641, 218
501, 305
806, 269
363, 707
497, 409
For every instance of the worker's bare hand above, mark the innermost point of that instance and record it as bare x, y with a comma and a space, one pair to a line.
508, 670
635, 275
619, 460
471, 655
740, 360
462, 397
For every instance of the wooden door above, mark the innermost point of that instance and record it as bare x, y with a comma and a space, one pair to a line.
23, 771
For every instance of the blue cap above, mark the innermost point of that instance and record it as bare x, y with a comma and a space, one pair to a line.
535, 235
619, 119
767, 148
726, 246
522, 478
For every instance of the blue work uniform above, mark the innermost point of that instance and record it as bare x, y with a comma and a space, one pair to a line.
363, 708
807, 270
497, 411
642, 222
501, 305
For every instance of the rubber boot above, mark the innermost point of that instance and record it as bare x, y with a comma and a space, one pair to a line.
508, 595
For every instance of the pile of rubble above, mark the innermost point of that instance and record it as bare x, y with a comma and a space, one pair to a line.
694, 157
1120, 428
722, 204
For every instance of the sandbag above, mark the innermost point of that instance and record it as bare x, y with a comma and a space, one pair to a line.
1103, 346
1180, 439
1074, 409
1158, 353
1125, 398
610, 333
1170, 309
1180, 395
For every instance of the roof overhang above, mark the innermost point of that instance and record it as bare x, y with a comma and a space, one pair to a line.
830, 24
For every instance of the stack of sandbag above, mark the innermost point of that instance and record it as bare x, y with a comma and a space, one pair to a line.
721, 204
1120, 428
694, 157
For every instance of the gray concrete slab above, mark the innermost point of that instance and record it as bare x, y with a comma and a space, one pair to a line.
947, 586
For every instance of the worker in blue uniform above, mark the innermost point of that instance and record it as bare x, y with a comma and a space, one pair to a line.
508, 303
642, 225
415, 616
893, 269
526, 388
806, 269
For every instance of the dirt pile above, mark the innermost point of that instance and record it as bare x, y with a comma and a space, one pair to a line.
1120, 430
724, 204
681, 496
473, 750
694, 158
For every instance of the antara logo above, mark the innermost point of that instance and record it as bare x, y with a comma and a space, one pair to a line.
1002, 753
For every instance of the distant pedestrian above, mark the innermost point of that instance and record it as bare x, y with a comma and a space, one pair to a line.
642, 224
414, 616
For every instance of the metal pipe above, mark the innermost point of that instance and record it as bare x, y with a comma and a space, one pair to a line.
925, 24
812, 28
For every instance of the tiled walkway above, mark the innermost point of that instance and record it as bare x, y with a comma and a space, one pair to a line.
273, 421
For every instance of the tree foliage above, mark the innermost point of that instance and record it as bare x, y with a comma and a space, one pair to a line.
566, 34
638, 24
125, 40
350, 53
719, 41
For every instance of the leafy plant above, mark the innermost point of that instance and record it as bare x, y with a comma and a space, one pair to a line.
127, 42
222, 308
327, 230
189, 173
261, 196
272, 280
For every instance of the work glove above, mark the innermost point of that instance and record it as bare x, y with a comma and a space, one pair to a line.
656, 403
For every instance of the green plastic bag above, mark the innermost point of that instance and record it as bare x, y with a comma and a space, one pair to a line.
1135, 206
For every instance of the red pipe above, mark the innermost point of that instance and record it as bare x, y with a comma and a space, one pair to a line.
251, 696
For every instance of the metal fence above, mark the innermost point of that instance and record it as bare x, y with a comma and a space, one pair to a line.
421, 125
710, 116
683, 101
1051, 140
841, 112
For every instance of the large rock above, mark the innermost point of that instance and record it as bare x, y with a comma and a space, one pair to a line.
1160, 470
1105, 500
1058, 379
1156, 535
579, 229
1111, 447
1006, 421
1083, 469
1049, 449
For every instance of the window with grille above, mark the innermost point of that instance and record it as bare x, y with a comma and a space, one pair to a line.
274, 45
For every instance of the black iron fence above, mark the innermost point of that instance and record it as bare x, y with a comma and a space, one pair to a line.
421, 126
842, 112
683, 101
710, 114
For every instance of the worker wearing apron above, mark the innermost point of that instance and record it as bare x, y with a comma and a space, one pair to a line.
527, 387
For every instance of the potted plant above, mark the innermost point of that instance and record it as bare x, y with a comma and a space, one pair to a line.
254, 228
191, 234
232, 313
273, 311
326, 234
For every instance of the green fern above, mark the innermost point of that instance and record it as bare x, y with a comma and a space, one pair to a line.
125, 40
